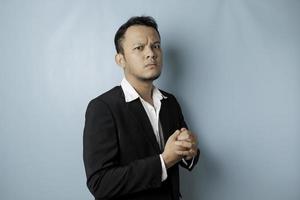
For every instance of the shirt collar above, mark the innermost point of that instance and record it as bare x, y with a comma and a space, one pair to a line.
131, 94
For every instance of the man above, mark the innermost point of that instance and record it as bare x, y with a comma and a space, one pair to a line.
135, 134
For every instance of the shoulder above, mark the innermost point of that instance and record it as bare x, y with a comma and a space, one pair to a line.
108, 98
113, 94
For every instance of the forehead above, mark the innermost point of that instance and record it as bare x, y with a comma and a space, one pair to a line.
140, 33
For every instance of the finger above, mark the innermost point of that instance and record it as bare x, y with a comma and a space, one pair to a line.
193, 139
193, 152
182, 153
183, 129
194, 146
187, 154
181, 148
184, 137
188, 157
175, 134
184, 144
184, 134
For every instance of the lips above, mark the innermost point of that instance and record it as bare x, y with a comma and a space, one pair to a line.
151, 64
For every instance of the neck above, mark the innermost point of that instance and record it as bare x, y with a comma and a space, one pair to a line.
143, 88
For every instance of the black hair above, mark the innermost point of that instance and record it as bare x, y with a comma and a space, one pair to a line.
142, 20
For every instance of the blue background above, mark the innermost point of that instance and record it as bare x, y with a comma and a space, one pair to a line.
233, 65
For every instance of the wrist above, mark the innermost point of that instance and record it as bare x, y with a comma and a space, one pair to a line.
166, 160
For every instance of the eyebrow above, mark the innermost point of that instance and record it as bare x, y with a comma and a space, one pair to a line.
141, 43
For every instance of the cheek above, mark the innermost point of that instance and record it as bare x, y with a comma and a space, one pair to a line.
136, 58
160, 56
135, 65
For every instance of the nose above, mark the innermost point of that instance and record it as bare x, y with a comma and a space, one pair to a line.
150, 53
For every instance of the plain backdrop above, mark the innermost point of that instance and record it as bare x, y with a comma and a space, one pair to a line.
232, 64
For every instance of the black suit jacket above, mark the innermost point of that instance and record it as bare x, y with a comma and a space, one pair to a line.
121, 154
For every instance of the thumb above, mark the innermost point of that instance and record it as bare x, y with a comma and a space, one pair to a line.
175, 135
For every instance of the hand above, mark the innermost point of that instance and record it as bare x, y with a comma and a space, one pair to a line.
172, 152
189, 141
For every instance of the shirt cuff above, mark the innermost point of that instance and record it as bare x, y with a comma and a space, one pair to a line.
164, 174
185, 162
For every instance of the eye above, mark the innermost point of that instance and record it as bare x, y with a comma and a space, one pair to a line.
156, 46
138, 48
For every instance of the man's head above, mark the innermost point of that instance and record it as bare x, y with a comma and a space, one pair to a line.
138, 49
143, 20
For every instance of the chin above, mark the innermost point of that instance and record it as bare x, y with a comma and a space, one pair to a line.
150, 78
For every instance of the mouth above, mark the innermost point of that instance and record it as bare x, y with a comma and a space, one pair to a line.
151, 65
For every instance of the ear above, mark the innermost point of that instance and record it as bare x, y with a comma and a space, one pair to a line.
120, 60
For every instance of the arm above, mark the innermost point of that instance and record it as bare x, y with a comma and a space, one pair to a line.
106, 177
188, 162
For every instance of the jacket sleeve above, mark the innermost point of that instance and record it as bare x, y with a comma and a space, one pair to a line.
182, 123
106, 177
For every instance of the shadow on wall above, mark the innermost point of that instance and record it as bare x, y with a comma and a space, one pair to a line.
173, 71
206, 175
208, 171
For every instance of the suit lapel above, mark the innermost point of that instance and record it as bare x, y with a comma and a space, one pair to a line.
139, 113
164, 119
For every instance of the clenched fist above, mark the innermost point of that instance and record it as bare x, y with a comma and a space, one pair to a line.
181, 144
189, 141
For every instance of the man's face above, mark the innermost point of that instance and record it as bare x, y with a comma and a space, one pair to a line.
142, 57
